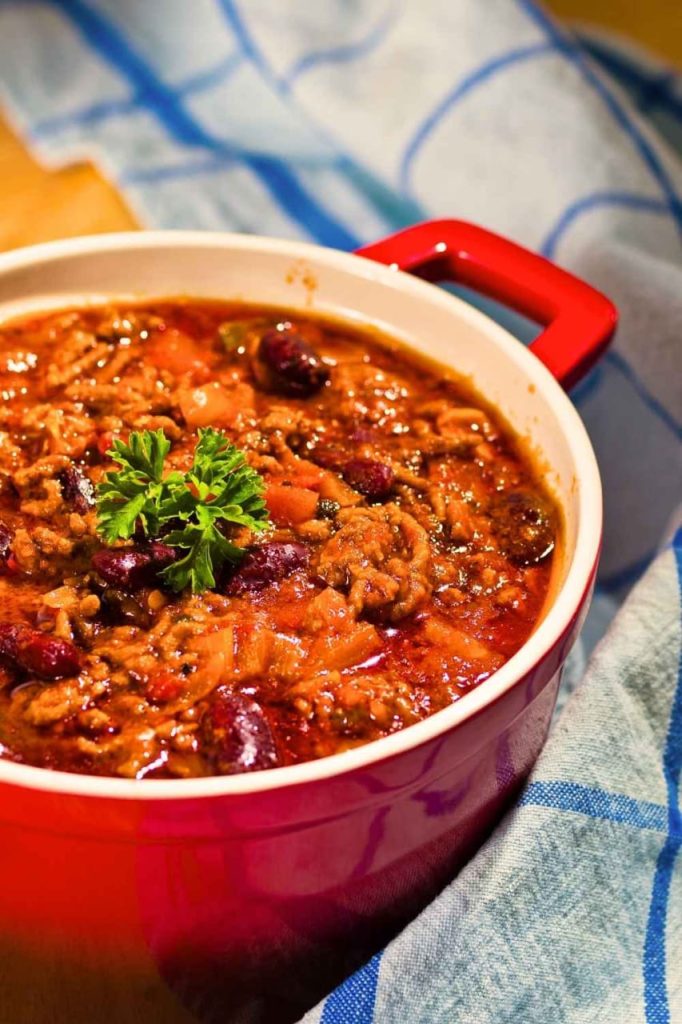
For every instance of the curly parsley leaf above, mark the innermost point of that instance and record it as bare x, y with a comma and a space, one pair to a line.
144, 454
207, 548
185, 509
135, 489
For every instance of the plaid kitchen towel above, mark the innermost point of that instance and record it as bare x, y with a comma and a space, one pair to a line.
340, 121
572, 911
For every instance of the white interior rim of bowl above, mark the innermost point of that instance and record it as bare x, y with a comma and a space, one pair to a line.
563, 608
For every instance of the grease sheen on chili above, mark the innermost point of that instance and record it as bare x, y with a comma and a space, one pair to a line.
409, 553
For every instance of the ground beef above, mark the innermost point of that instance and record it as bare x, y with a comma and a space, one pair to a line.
381, 555
408, 555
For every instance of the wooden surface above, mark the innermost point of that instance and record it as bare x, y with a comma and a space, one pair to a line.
654, 24
37, 205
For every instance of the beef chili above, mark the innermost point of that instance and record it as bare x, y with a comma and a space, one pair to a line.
235, 538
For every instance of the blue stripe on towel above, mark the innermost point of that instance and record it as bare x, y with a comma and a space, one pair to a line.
652, 403
596, 803
344, 53
111, 44
654, 89
396, 210
469, 82
353, 1001
100, 111
598, 200
618, 112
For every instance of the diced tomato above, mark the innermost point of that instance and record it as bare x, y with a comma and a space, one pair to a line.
290, 615
176, 352
307, 480
12, 566
303, 473
210, 405
104, 442
290, 505
162, 687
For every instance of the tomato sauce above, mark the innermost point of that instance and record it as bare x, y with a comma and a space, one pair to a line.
408, 553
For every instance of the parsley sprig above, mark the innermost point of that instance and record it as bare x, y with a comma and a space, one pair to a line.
185, 510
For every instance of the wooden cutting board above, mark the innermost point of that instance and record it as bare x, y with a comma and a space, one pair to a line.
37, 205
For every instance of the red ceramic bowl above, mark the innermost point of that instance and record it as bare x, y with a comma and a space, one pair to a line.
248, 896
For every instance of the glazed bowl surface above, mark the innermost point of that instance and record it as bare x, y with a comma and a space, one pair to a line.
250, 885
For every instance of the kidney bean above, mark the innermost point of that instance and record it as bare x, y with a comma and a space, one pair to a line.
235, 734
373, 479
523, 526
292, 366
77, 489
162, 554
38, 653
125, 567
9, 638
48, 657
132, 568
265, 564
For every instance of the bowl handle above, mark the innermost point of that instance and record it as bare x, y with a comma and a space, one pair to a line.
579, 321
